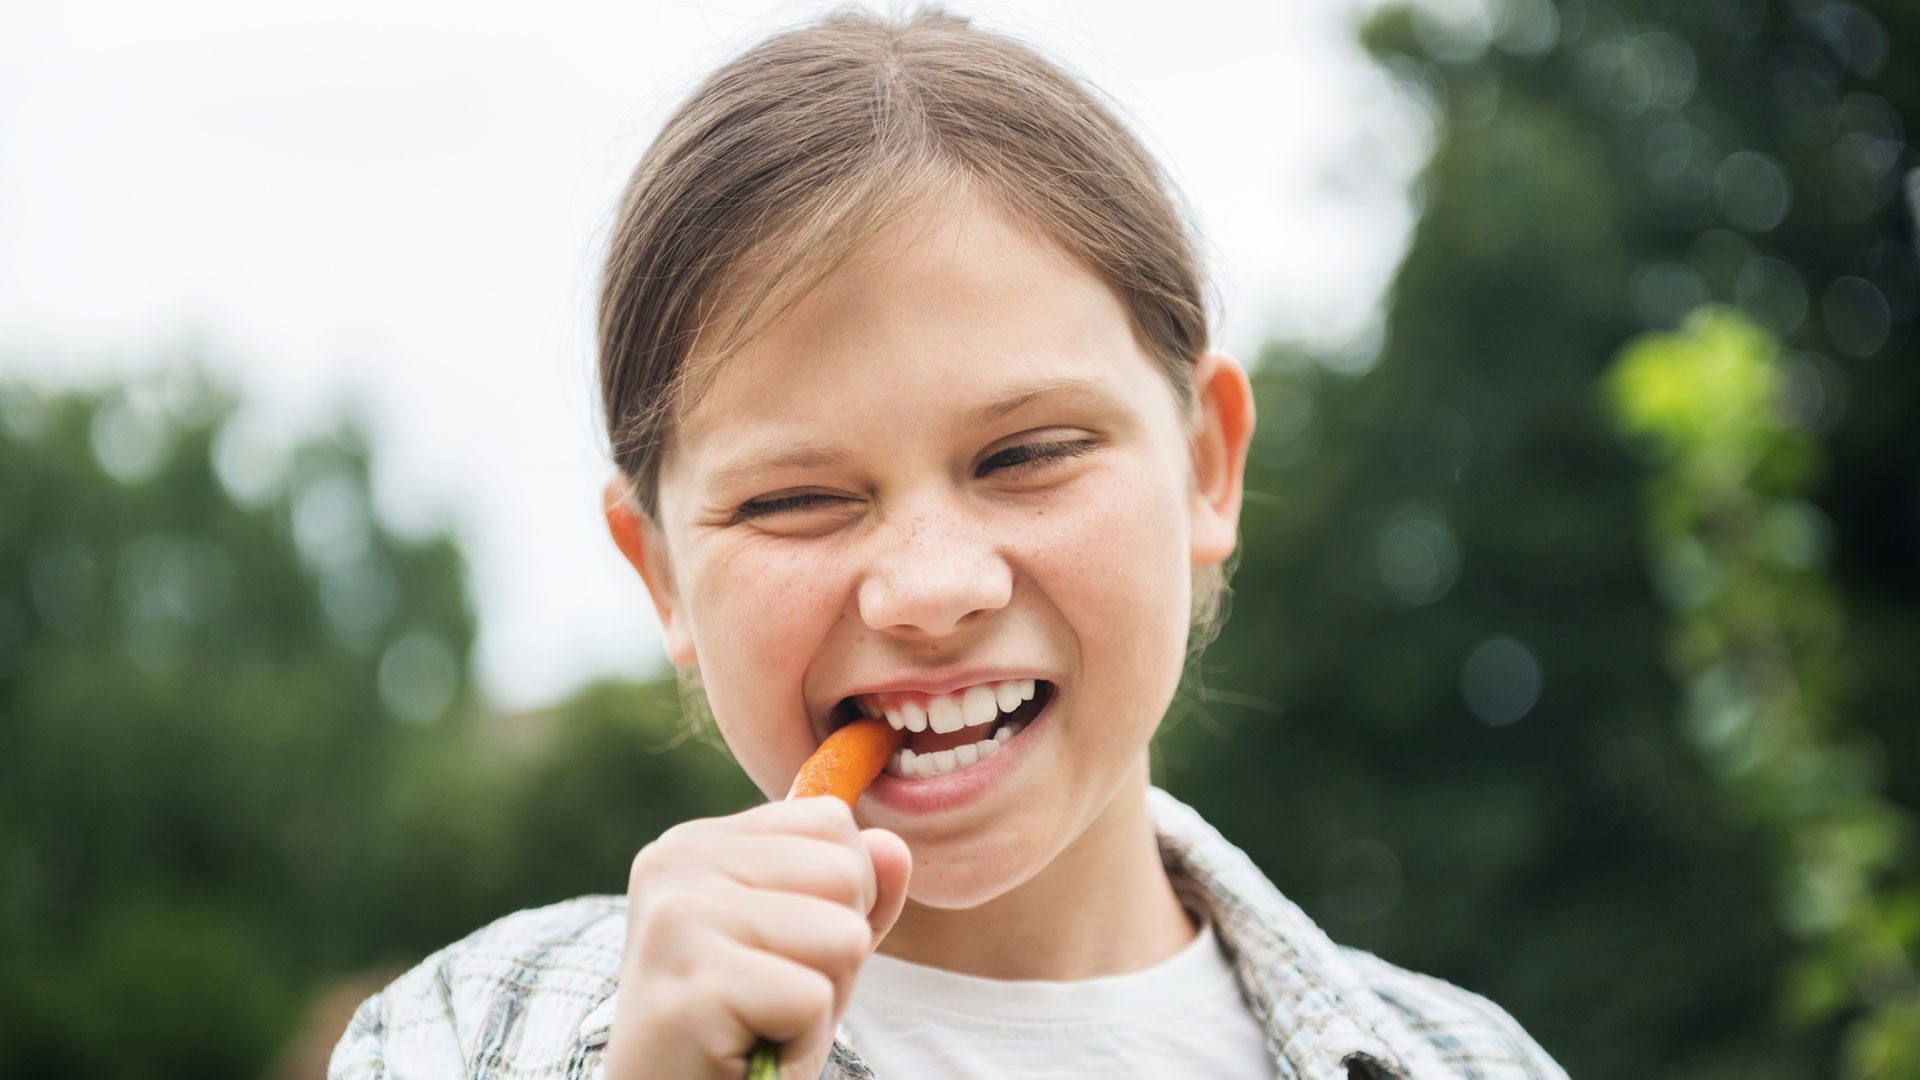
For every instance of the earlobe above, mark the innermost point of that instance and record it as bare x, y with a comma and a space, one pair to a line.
1220, 439
640, 541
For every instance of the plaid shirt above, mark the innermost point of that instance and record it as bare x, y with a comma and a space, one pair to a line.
531, 996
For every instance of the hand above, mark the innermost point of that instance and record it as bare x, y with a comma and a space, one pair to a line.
746, 927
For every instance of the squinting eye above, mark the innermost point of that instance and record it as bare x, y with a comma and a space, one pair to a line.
780, 504
1031, 454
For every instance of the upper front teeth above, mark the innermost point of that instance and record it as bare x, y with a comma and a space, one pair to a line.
972, 707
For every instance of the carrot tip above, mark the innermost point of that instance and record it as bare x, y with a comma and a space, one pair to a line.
848, 760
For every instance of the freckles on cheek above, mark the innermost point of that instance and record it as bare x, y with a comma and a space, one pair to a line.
760, 616
751, 605
1122, 560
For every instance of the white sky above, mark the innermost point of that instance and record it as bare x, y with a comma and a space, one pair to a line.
399, 206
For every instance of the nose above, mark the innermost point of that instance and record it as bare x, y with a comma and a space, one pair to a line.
931, 573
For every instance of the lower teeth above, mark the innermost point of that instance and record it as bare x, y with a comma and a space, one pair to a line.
910, 766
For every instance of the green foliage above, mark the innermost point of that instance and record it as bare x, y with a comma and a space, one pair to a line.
239, 750
195, 729
1443, 716
1741, 561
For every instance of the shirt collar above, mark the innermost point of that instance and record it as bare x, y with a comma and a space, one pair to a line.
1318, 1012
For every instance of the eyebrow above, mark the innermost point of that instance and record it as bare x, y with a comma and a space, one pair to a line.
804, 456
993, 411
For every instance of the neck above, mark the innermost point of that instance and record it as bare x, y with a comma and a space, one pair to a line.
1102, 906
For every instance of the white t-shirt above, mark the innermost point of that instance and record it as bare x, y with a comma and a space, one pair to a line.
1182, 1017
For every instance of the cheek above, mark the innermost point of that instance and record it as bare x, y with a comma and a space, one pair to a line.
1117, 568
756, 597
758, 615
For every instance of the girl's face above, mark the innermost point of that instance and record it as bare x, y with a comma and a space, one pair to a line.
950, 467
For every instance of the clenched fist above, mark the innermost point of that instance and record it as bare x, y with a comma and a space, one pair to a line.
747, 927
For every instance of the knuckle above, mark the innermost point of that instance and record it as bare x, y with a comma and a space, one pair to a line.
668, 1003
658, 858
846, 876
825, 816
695, 994
849, 941
680, 1002
642, 868
664, 916
814, 996
687, 835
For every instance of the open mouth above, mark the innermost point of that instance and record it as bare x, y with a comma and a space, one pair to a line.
953, 731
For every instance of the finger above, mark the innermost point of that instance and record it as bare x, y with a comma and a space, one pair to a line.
825, 937
763, 996
806, 1059
828, 937
842, 873
705, 1020
773, 846
677, 932
892, 865
822, 817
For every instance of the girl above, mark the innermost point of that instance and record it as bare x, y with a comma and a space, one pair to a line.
905, 369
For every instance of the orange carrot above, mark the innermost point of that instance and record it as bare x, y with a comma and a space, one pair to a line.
848, 761
843, 767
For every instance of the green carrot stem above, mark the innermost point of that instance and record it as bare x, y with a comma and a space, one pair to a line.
764, 1062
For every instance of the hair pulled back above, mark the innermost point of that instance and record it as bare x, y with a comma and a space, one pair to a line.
788, 159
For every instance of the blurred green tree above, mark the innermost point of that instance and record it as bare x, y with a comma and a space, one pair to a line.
239, 748
240, 751
209, 654
1450, 730
1737, 555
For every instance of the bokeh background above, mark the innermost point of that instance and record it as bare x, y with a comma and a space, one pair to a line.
1575, 647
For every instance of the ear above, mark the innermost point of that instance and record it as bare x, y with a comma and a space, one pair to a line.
640, 541
1220, 439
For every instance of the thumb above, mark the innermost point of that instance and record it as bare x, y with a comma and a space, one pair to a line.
892, 863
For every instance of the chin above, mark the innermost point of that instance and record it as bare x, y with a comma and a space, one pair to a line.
959, 881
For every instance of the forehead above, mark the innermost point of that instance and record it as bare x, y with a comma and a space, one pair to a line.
935, 319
